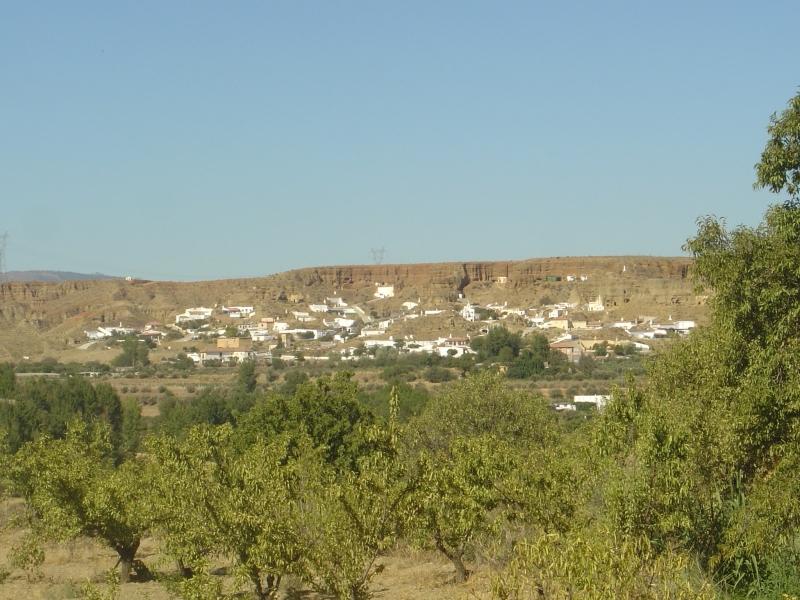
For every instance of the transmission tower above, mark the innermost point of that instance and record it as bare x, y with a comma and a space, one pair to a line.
378, 255
3, 240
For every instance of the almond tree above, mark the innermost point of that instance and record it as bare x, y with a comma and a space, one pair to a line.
213, 501
72, 488
362, 514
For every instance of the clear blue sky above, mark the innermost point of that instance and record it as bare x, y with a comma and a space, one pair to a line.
192, 140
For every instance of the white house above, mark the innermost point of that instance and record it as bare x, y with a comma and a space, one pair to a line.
280, 326
97, 335
470, 314
682, 327
433, 312
226, 354
370, 332
596, 306
599, 401
410, 305
242, 310
385, 291
319, 308
379, 343
194, 314
421, 346
260, 335
335, 301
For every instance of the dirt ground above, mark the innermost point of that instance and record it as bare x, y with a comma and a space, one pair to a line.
409, 575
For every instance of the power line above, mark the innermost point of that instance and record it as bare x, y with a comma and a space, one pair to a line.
378, 255
3, 240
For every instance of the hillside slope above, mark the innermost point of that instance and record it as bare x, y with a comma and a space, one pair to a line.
37, 318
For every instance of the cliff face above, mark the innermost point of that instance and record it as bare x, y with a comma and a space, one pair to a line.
36, 314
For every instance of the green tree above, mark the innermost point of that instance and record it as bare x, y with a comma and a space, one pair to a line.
363, 514
779, 167
133, 426
211, 499
482, 405
498, 338
700, 457
134, 353
292, 380
466, 442
183, 362
8, 380
71, 488
458, 492
246, 377
326, 410
43, 405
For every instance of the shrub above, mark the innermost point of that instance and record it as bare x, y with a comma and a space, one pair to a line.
438, 375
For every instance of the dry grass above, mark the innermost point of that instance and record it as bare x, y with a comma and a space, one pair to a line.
409, 574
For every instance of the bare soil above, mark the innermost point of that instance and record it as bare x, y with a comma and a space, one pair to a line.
409, 574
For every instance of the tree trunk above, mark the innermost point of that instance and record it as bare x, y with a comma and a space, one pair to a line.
126, 557
186, 572
456, 557
458, 563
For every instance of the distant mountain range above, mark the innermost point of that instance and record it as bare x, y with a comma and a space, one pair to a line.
54, 276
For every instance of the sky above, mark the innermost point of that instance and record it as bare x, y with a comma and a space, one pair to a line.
205, 140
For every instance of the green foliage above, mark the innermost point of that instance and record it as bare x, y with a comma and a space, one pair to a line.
210, 407
491, 345
8, 380
438, 375
212, 500
411, 400
71, 488
246, 377
326, 410
134, 353
467, 443
779, 167
459, 492
183, 362
364, 513
133, 426
292, 380
596, 565
46, 406
482, 405
89, 591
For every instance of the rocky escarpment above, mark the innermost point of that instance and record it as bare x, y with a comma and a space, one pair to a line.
58, 312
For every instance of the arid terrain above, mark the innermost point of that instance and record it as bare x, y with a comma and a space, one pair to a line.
409, 574
48, 319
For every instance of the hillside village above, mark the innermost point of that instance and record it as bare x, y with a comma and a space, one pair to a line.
333, 326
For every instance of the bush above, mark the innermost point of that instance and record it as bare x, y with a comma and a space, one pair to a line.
438, 375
